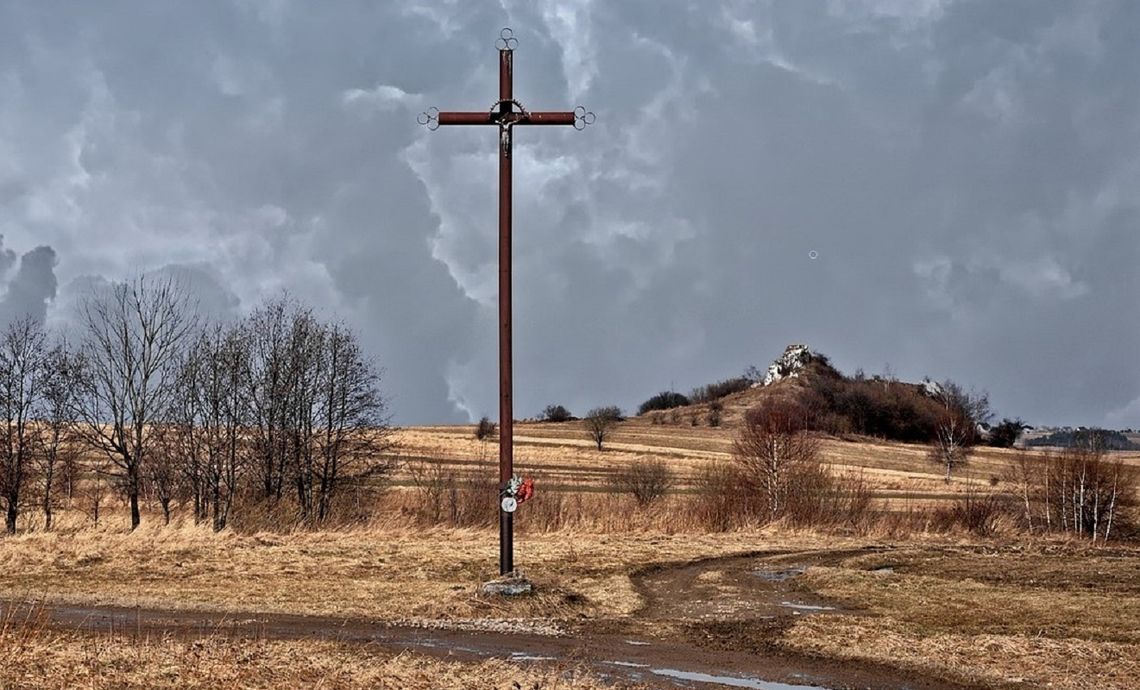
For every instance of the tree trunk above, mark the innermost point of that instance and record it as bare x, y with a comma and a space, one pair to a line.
134, 496
13, 511
48, 477
1025, 498
219, 522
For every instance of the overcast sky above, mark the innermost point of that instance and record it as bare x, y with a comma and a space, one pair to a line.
967, 175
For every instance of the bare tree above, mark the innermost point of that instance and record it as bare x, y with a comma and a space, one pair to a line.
777, 455
1021, 475
305, 354
93, 492
57, 443
1088, 492
957, 429
205, 441
161, 476
952, 444
271, 380
316, 416
179, 439
222, 400
353, 434
600, 421
22, 353
133, 335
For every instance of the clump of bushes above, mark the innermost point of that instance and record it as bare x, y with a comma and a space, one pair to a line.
974, 511
1005, 433
663, 401
776, 474
556, 413
719, 389
874, 407
645, 479
446, 497
485, 429
716, 407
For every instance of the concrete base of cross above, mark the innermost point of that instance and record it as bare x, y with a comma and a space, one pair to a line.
510, 585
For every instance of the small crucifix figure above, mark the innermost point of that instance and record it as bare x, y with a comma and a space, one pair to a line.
505, 114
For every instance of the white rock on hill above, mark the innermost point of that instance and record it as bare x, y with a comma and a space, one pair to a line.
931, 388
789, 365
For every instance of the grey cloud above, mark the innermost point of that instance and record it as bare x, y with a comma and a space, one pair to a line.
29, 290
967, 173
206, 290
8, 258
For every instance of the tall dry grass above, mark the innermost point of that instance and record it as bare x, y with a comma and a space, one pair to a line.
717, 500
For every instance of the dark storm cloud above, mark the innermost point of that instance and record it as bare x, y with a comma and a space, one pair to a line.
29, 289
965, 171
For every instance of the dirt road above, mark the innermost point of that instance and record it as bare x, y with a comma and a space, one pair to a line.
706, 624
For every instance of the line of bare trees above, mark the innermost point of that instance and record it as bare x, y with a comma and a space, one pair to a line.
36, 397
279, 408
1082, 491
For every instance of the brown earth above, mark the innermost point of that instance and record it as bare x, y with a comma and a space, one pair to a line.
715, 621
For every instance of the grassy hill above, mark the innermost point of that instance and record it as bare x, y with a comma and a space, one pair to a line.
564, 458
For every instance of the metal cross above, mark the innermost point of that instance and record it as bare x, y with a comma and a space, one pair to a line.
506, 113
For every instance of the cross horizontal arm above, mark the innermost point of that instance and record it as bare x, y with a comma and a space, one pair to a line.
566, 118
469, 118
492, 118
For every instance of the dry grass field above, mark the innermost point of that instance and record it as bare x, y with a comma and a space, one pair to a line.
49, 660
947, 607
565, 458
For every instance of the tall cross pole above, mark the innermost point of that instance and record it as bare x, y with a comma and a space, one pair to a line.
505, 114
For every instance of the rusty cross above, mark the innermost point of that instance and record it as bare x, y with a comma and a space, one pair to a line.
506, 113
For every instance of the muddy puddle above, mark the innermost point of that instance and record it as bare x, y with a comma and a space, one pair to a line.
778, 575
642, 673
739, 589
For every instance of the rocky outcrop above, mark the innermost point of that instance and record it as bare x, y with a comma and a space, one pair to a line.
795, 359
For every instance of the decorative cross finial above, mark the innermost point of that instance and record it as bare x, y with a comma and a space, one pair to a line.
506, 39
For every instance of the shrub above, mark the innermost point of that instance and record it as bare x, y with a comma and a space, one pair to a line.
720, 502
556, 413
663, 401
485, 429
716, 391
715, 409
1005, 433
870, 407
979, 513
646, 480
444, 497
